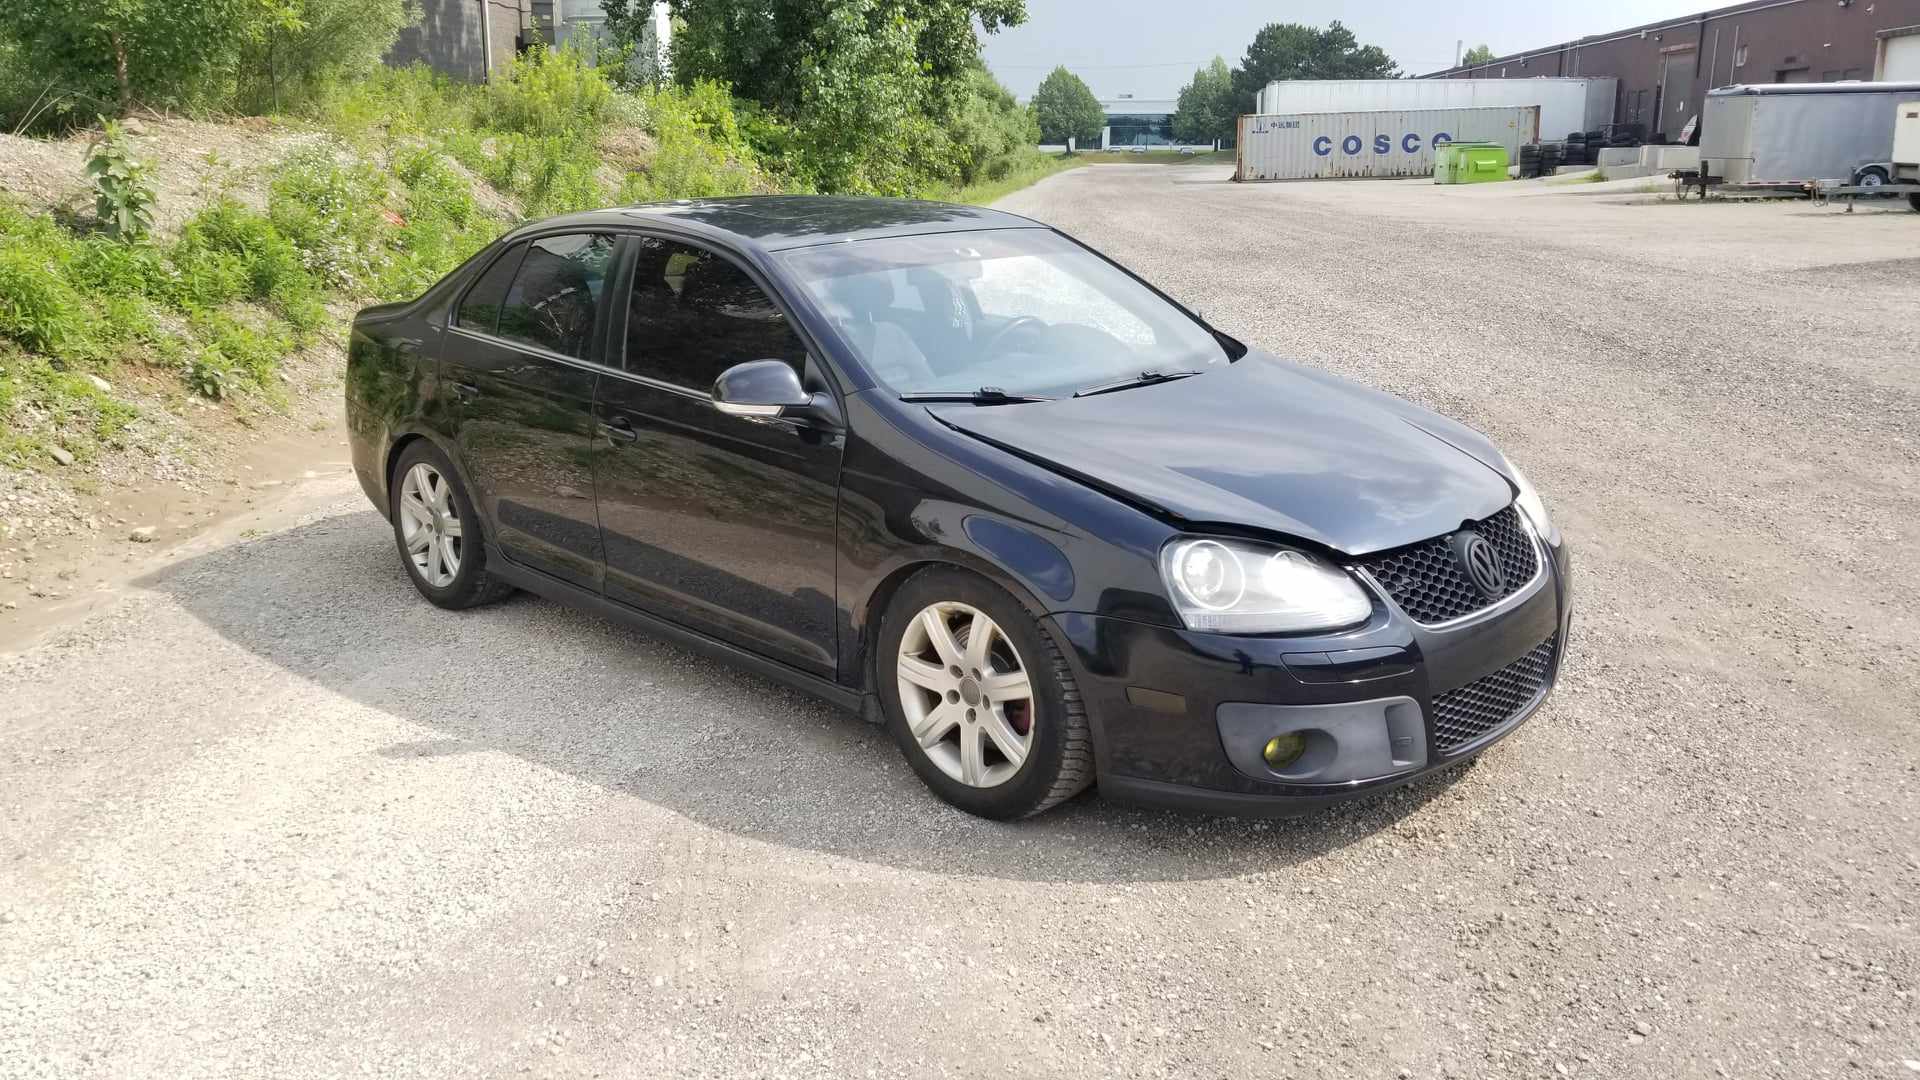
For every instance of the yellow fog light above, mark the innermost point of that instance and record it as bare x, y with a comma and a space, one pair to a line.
1283, 750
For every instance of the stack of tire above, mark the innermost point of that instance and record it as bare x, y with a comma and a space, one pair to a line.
1628, 135
1539, 159
1529, 161
1576, 150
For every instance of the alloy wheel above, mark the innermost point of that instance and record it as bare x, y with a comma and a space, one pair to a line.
966, 693
430, 525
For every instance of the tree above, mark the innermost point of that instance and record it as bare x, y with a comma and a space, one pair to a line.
1208, 107
118, 52
293, 48
1479, 54
859, 78
767, 50
1293, 51
1066, 109
111, 55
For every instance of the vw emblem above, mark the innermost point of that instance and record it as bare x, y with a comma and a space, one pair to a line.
1482, 563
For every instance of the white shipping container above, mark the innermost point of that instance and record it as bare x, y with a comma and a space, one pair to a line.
1566, 105
1325, 146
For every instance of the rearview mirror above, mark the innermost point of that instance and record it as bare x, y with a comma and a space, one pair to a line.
771, 389
759, 388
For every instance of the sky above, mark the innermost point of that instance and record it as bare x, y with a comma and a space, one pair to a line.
1150, 49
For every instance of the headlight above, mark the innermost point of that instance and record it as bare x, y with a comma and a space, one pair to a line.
1530, 503
1248, 588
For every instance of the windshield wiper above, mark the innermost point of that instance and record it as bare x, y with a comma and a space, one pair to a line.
1145, 378
986, 395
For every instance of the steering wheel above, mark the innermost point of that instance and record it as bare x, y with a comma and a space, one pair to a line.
1019, 322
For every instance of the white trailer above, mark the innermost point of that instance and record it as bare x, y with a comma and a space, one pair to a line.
1906, 147
1394, 143
1566, 105
1797, 134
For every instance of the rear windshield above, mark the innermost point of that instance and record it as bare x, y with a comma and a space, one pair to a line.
1024, 310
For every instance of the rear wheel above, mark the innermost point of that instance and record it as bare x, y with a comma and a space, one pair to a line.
1914, 201
438, 532
980, 699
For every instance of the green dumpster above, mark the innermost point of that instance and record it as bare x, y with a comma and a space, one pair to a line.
1469, 163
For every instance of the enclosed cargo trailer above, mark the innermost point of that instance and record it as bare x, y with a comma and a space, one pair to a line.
1326, 146
1795, 134
1565, 104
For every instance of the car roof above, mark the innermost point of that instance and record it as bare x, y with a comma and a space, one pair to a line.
778, 222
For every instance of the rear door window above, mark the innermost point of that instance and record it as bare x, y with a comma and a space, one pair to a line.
556, 295
480, 311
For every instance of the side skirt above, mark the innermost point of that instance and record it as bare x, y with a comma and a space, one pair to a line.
554, 589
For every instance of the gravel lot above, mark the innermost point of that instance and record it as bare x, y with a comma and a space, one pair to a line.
271, 815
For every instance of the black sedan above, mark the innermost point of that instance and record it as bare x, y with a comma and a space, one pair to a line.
957, 471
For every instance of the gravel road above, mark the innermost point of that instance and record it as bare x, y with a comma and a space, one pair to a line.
271, 815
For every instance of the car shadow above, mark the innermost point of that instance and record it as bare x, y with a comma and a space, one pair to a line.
635, 715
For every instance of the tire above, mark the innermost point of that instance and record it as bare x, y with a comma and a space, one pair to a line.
1914, 201
1056, 762
1870, 176
445, 506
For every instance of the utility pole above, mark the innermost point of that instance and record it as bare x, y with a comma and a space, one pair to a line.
1457, 45
486, 43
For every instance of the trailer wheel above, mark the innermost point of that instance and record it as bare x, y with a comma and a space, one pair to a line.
1914, 201
1870, 176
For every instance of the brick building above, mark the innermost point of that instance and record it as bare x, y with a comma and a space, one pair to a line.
455, 38
1666, 68
452, 39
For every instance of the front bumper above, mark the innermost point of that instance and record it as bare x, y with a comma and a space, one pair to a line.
1179, 716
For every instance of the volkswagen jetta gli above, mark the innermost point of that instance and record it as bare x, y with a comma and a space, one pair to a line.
953, 469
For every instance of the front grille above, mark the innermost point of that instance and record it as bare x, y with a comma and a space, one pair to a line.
1428, 582
1489, 702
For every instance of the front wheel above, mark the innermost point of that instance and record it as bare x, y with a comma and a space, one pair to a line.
980, 699
1914, 201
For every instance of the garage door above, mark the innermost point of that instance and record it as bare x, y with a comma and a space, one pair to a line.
1902, 59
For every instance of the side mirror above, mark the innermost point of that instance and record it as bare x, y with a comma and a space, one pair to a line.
770, 389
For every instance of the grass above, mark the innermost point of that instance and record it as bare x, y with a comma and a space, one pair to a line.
1040, 165
1159, 157
1025, 173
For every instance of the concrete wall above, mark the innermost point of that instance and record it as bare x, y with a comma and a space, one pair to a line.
1779, 41
448, 36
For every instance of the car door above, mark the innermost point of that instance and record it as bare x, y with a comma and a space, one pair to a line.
721, 523
519, 366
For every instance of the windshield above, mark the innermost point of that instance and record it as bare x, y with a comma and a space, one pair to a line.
1026, 311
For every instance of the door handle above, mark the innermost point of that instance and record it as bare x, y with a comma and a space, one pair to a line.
619, 429
465, 391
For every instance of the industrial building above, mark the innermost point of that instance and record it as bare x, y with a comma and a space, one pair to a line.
1664, 69
1135, 121
471, 39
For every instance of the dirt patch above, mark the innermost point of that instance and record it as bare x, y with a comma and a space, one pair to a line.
183, 465
629, 149
193, 163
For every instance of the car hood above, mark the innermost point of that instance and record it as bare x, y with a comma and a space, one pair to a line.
1266, 445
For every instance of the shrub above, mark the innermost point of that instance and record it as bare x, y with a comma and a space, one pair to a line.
104, 268
442, 227
122, 185
38, 308
549, 92
701, 147
332, 214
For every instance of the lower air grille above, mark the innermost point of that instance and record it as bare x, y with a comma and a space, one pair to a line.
1489, 702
